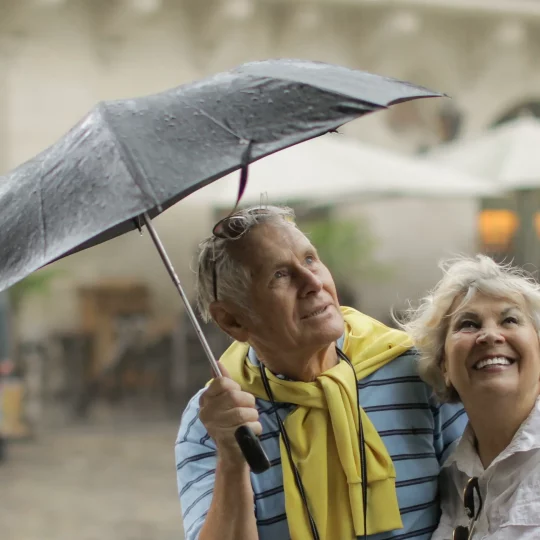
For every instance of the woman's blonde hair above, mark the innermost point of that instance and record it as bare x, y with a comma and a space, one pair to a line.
464, 276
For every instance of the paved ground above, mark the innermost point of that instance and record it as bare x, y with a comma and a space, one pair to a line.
92, 483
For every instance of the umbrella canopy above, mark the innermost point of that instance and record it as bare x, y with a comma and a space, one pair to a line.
129, 160
507, 155
335, 168
137, 156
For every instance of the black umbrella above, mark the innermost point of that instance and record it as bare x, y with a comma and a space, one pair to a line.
129, 160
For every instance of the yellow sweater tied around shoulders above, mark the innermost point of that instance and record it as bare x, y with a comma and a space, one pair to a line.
323, 431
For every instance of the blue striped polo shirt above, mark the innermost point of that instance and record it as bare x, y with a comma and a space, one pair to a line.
417, 431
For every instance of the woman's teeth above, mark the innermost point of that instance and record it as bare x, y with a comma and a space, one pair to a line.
499, 361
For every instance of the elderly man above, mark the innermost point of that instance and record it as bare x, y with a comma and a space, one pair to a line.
354, 436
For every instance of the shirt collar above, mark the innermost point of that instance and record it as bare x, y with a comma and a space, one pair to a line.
252, 357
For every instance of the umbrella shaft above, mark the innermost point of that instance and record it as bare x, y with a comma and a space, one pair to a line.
176, 281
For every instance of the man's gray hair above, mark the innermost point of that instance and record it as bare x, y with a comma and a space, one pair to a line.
219, 272
428, 323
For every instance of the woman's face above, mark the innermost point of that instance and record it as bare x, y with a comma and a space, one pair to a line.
492, 349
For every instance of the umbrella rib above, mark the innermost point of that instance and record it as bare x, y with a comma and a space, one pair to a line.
217, 122
130, 164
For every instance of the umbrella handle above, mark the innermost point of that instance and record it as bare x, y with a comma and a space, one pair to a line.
247, 440
252, 449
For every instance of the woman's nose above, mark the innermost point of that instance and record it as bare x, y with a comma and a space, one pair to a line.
490, 335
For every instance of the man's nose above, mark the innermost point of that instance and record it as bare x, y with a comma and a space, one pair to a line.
489, 335
311, 283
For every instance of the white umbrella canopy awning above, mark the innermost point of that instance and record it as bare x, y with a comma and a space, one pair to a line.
508, 155
334, 168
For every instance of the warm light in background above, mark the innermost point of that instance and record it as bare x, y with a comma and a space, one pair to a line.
537, 223
497, 228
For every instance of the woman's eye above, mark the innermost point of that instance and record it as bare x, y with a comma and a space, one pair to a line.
310, 259
279, 274
467, 324
511, 320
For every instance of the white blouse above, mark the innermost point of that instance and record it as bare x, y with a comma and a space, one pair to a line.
509, 487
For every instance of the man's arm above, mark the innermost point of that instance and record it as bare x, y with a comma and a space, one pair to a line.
213, 477
231, 513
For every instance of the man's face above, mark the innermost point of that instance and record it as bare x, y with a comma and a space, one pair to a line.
292, 295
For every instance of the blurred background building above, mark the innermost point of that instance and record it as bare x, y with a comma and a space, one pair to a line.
103, 330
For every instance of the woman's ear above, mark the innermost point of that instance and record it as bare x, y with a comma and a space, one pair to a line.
227, 319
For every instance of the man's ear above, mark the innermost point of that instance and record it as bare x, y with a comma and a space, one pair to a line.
228, 320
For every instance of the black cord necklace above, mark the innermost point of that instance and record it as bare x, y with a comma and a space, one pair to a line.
286, 442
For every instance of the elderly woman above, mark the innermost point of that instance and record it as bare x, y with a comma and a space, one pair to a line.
478, 338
